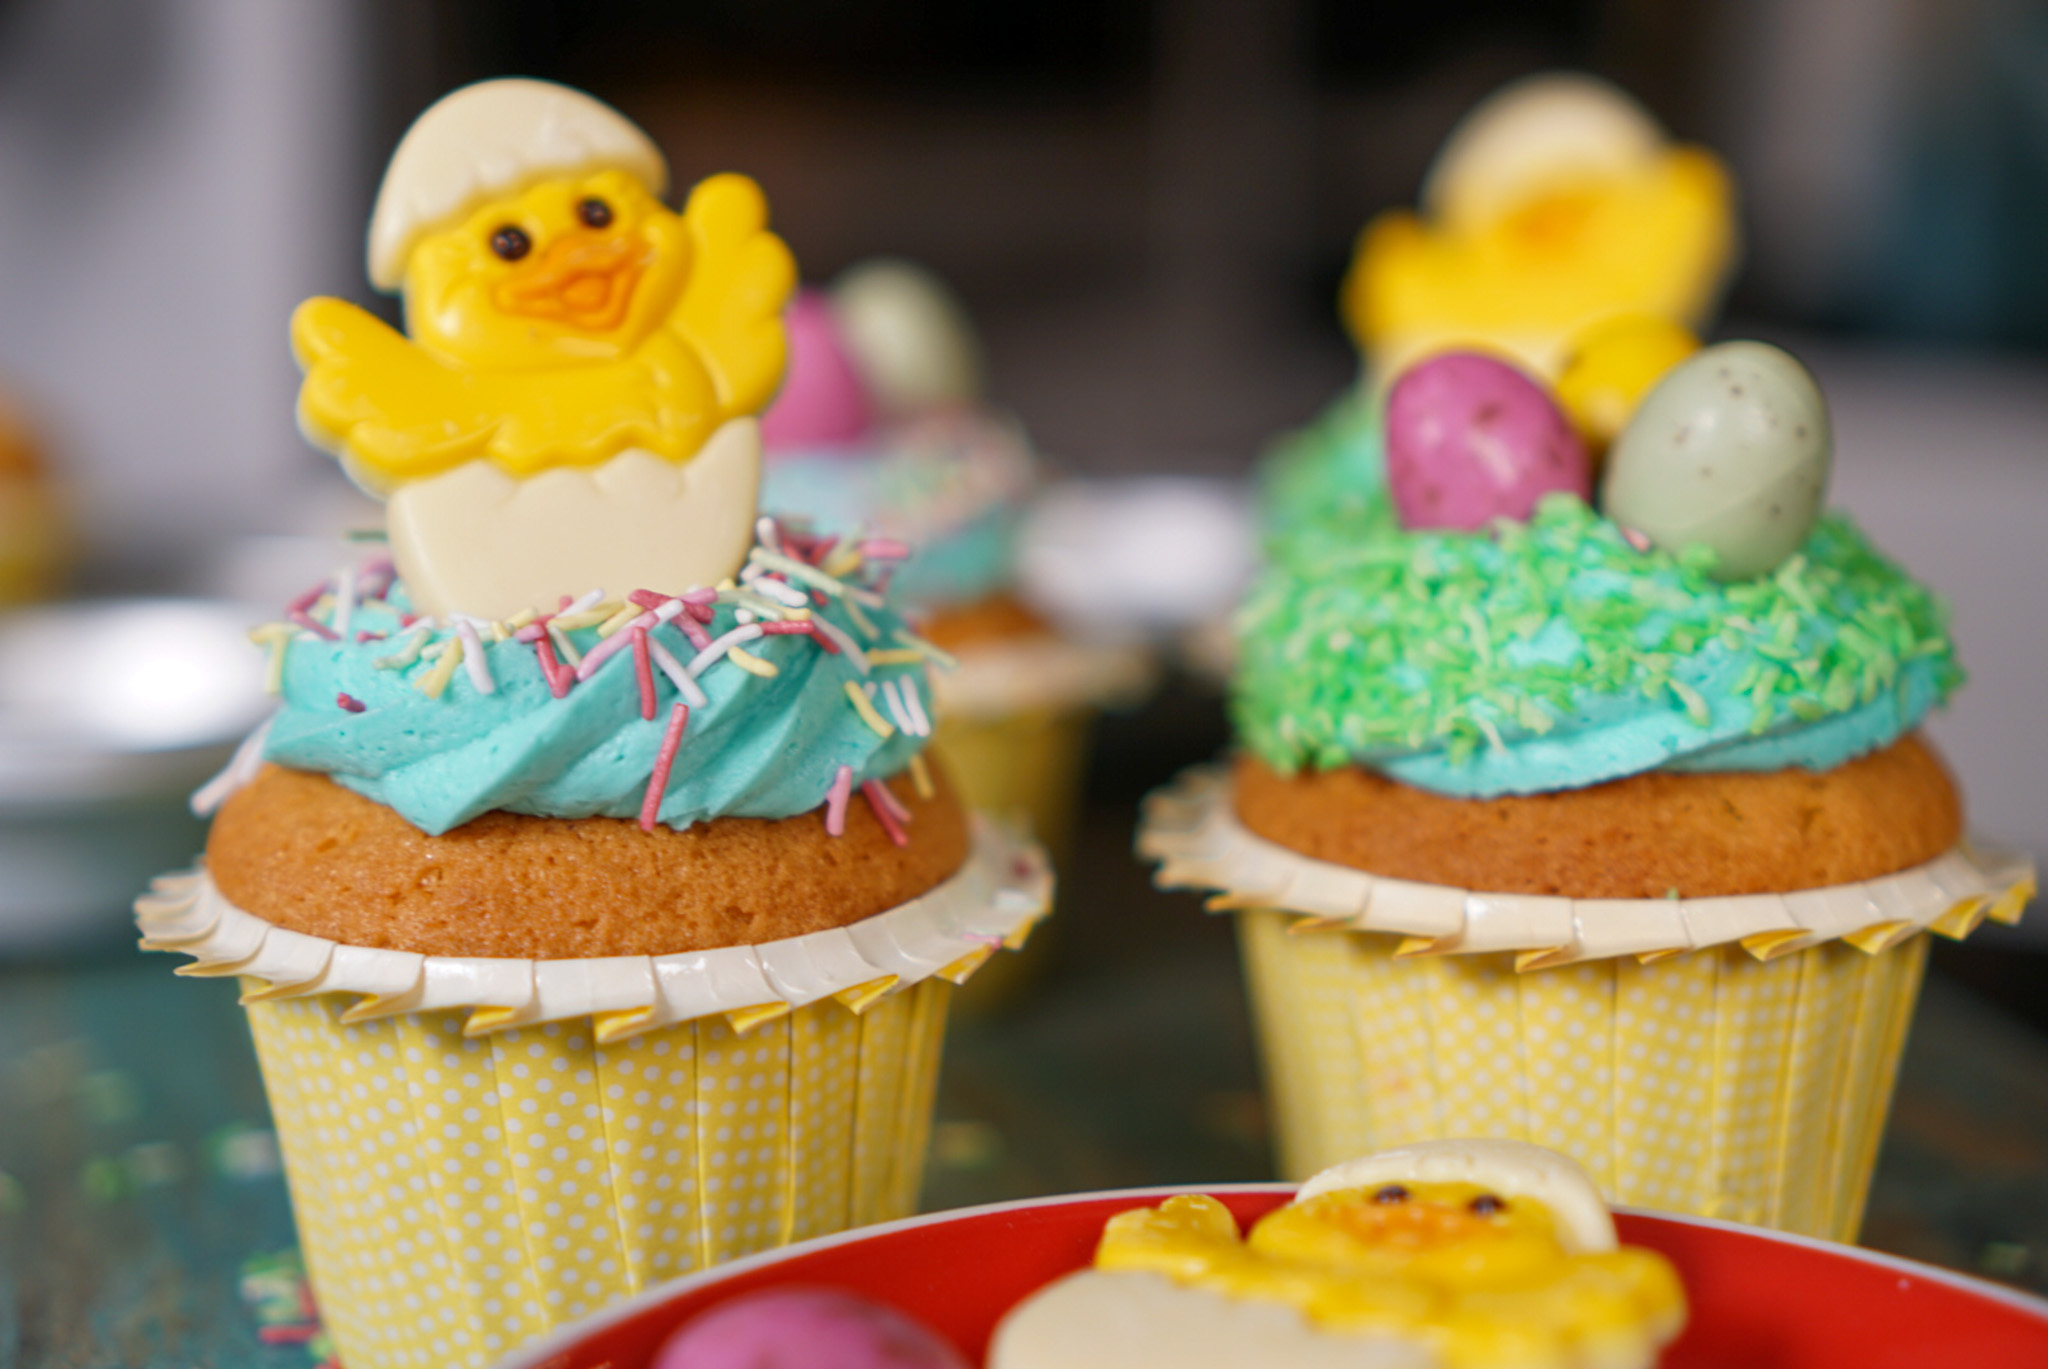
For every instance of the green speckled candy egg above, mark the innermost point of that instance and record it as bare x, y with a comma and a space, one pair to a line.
1731, 450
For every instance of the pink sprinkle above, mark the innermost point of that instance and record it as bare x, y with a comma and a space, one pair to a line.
287, 1335
365, 635
532, 632
611, 646
664, 761
647, 598
1640, 541
881, 800
785, 628
835, 801
643, 666
314, 625
351, 703
408, 619
699, 638
702, 594
703, 613
884, 794
885, 549
306, 600
831, 647
559, 676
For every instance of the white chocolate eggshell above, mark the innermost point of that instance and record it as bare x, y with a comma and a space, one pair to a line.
1543, 130
1730, 450
476, 540
1512, 1169
909, 335
491, 138
1132, 1320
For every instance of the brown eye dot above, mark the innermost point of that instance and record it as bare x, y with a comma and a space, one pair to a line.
511, 243
595, 213
1392, 1193
1485, 1205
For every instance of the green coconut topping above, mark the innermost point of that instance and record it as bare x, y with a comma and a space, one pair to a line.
1363, 639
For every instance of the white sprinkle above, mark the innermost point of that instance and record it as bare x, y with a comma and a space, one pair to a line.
237, 774
409, 643
764, 529
583, 604
710, 654
344, 602
686, 684
565, 647
916, 705
473, 657
843, 642
898, 714
787, 595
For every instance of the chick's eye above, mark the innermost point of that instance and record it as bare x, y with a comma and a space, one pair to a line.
595, 213
511, 243
1392, 1193
1485, 1205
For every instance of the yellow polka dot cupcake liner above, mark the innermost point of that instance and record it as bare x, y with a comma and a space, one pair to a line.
482, 1150
1727, 1057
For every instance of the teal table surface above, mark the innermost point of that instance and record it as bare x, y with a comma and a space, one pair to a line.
139, 1178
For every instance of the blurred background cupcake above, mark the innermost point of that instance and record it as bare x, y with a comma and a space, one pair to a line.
882, 428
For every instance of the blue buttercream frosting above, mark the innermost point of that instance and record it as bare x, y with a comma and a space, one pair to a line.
764, 747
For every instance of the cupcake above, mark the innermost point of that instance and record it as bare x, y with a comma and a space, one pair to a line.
1443, 1255
882, 428
1559, 229
1605, 828
588, 935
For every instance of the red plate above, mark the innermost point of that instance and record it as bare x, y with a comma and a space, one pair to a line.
1760, 1299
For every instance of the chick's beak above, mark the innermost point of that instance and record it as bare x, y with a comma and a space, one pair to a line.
1413, 1227
583, 279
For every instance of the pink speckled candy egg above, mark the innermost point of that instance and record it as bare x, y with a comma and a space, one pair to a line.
822, 402
1471, 439
805, 1328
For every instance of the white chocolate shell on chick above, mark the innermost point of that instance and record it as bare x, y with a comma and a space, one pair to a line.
475, 540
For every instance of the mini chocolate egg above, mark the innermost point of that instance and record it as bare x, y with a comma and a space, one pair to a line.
823, 402
1471, 439
910, 336
1730, 451
1612, 366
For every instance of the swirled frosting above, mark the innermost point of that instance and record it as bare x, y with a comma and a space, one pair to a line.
1553, 654
768, 736
952, 484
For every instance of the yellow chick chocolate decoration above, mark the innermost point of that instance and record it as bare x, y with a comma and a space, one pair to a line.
1441, 1255
1555, 205
571, 405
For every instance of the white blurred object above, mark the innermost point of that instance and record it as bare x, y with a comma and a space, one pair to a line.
910, 336
1540, 133
1944, 461
111, 713
1147, 555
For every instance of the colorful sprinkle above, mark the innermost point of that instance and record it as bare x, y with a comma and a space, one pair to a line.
880, 800
752, 664
435, 682
643, 667
866, 708
685, 684
473, 658
718, 648
835, 801
664, 761
921, 776
351, 703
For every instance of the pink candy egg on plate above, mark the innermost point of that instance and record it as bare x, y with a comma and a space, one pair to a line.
1471, 439
822, 402
805, 1328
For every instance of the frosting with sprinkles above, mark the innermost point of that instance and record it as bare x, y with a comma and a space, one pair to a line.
1555, 654
754, 698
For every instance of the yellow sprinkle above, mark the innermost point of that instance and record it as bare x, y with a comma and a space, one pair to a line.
727, 585
895, 655
590, 617
497, 632
270, 632
942, 659
860, 620
434, 681
519, 620
620, 619
921, 776
866, 708
273, 673
842, 563
752, 664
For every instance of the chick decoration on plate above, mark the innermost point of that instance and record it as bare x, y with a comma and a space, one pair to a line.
1555, 207
1440, 1255
571, 404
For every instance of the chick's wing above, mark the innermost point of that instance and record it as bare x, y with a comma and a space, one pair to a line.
390, 411
740, 279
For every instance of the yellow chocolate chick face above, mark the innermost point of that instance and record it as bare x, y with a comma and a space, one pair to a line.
568, 271
1480, 1277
